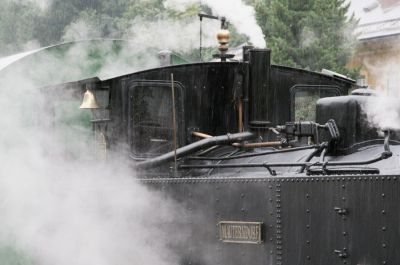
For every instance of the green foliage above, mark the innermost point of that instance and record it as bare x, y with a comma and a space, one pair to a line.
16, 25
312, 34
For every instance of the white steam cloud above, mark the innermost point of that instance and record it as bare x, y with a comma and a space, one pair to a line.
242, 16
59, 210
383, 111
172, 34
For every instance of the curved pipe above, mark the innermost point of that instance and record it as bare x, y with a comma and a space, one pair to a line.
193, 147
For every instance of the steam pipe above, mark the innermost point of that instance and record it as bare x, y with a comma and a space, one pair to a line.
191, 148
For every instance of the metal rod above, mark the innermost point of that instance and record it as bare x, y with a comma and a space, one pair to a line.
256, 145
301, 164
201, 32
174, 123
240, 115
254, 154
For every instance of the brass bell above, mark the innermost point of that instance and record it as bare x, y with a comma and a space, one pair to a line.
89, 101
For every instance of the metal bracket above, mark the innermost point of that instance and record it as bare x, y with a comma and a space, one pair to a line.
270, 170
341, 253
341, 211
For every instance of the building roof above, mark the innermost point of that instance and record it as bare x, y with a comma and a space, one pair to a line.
377, 18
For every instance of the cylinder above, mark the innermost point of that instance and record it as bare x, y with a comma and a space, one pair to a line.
260, 92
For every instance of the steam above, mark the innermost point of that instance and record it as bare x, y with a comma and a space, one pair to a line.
383, 111
58, 210
43, 4
171, 34
242, 16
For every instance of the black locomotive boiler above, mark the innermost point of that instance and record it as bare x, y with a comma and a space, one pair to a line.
274, 165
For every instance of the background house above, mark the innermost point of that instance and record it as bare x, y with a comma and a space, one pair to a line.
378, 48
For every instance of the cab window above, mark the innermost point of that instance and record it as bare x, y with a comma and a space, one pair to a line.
304, 100
151, 126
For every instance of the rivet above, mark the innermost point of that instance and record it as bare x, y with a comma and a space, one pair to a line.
307, 195
343, 186
345, 233
383, 228
308, 257
384, 245
383, 212
308, 226
308, 211
308, 242
383, 194
242, 195
343, 198
384, 262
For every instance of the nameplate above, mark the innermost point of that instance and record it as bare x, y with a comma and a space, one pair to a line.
240, 232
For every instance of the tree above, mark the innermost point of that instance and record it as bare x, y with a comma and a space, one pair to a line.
16, 30
312, 34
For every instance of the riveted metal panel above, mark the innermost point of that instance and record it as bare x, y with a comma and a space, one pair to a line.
211, 201
311, 228
374, 221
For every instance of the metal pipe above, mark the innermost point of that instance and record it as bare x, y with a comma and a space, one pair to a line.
193, 147
201, 135
255, 154
256, 145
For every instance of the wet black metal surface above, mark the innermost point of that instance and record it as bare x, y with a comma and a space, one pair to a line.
307, 220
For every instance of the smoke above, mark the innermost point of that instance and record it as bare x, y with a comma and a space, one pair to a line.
242, 16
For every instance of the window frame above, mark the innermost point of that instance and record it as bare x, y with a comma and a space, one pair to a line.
179, 112
303, 87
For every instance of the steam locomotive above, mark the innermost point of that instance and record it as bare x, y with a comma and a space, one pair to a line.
274, 165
